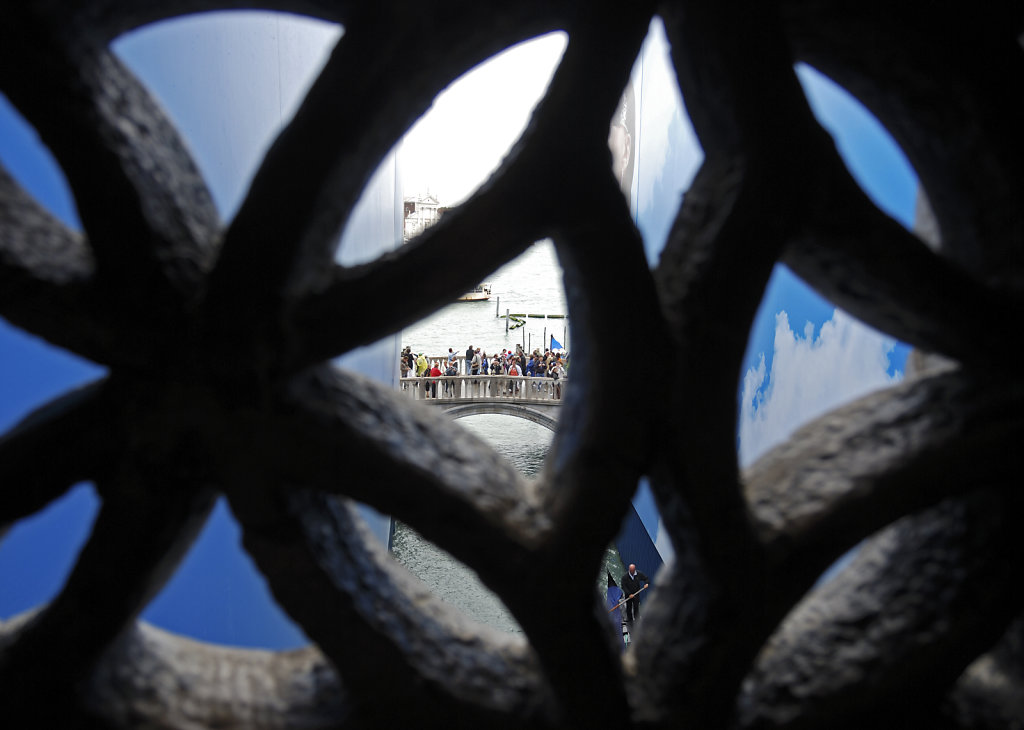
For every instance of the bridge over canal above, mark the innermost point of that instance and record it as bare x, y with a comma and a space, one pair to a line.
538, 400
534, 399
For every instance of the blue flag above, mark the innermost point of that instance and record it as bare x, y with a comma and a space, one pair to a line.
555, 344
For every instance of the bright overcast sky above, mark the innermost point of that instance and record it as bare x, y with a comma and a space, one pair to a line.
464, 136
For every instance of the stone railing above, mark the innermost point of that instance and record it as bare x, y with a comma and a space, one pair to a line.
460, 361
484, 387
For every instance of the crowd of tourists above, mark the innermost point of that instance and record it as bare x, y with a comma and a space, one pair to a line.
475, 361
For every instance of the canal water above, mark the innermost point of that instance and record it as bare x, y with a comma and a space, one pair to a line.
532, 284
523, 443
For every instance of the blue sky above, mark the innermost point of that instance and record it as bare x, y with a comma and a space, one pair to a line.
216, 594
804, 356
230, 85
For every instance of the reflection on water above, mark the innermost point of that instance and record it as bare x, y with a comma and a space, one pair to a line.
450, 580
530, 284
525, 445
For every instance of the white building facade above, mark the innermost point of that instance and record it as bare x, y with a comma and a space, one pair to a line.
421, 212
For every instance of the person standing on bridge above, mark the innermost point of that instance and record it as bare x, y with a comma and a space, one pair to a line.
557, 374
632, 582
408, 361
450, 385
469, 358
435, 372
513, 371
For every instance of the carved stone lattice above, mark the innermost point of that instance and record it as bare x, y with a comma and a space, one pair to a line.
216, 336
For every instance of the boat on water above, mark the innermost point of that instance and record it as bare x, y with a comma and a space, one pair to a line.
642, 540
615, 604
481, 293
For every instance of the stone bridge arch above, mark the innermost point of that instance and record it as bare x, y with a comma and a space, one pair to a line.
516, 410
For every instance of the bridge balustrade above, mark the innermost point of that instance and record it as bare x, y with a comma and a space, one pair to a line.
484, 387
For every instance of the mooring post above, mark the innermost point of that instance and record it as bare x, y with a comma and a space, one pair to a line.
497, 306
506, 320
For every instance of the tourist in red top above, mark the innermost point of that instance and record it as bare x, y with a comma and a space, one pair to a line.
435, 372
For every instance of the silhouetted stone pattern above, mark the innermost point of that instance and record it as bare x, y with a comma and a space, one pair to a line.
217, 336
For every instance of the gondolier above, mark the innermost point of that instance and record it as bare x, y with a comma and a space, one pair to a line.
632, 582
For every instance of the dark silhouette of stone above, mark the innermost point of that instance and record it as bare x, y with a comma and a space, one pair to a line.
217, 337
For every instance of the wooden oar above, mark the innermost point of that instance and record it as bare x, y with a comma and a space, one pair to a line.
622, 603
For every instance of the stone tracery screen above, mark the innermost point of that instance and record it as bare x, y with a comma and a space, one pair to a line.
216, 339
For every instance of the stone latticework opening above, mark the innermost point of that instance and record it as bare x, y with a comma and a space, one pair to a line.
216, 338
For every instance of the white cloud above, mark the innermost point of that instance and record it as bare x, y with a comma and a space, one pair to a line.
809, 376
